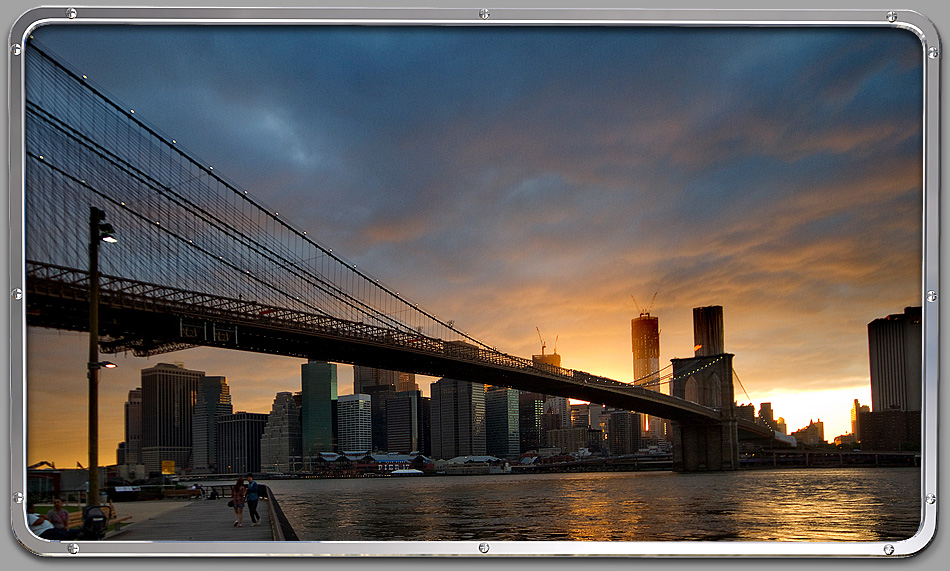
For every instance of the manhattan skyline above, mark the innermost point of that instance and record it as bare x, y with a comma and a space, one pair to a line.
516, 179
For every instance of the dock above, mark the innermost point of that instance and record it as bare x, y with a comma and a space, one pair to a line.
194, 520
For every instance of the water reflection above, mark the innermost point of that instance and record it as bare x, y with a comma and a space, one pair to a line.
855, 504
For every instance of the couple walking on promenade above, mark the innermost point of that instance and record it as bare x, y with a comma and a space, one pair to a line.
245, 493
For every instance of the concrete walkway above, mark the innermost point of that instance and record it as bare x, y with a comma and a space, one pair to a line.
188, 520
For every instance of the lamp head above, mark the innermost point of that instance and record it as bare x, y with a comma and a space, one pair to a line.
107, 233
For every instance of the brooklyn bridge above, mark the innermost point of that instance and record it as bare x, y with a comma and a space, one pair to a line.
201, 263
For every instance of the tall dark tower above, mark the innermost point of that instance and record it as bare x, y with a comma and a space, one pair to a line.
318, 414
645, 335
212, 400
133, 427
707, 331
894, 346
168, 403
457, 413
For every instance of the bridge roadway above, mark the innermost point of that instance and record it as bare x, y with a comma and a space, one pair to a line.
149, 319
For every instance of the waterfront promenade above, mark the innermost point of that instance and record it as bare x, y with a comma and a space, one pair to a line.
189, 520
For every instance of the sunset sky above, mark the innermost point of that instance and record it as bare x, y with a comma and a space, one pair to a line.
512, 178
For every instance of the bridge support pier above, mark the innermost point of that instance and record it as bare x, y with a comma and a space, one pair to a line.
706, 444
700, 447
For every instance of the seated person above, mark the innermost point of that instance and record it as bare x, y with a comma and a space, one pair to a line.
42, 527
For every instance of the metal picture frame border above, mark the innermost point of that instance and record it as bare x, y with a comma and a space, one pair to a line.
930, 295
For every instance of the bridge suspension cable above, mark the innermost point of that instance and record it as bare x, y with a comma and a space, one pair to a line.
736, 375
179, 217
192, 243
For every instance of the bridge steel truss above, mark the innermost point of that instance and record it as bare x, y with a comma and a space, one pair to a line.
149, 319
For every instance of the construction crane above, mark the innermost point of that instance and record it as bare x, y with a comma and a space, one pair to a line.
647, 310
543, 345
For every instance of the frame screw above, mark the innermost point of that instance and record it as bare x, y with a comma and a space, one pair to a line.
17, 293
888, 549
18, 497
483, 547
71, 13
484, 14
931, 296
73, 549
933, 53
931, 498
892, 17
15, 49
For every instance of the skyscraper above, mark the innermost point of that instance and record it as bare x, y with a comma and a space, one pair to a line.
708, 331
458, 419
553, 413
381, 385
283, 437
408, 414
318, 381
547, 359
212, 400
811, 435
168, 403
354, 423
580, 415
239, 442
364, 377
406, 382
856, 411
781, 426
133, 427
380, 395
502, 435
623, 432
530, 411
560, 407
598, 416
570, 440
645, 336
895, 350
766, 416
370, 377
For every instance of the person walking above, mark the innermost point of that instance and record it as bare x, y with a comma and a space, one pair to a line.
252, 498
239, 497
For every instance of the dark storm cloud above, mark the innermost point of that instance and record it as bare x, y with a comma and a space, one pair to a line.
375, 133
470, 154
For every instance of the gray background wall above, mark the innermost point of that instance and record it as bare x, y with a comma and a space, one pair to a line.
15, 557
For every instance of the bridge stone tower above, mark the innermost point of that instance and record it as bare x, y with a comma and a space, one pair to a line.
706, 379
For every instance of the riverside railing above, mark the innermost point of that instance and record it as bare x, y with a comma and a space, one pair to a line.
280, 525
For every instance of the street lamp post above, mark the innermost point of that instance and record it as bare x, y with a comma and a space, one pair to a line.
99, 231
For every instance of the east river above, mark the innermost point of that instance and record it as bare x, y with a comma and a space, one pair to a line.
815, 504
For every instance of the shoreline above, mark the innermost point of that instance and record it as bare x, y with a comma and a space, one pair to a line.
801, 461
